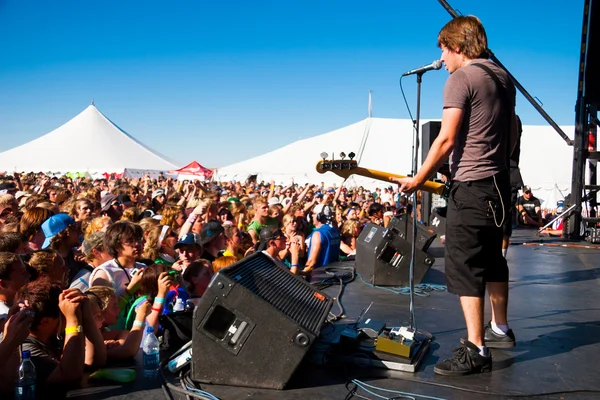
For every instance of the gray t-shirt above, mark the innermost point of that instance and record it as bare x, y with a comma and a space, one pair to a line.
481, 145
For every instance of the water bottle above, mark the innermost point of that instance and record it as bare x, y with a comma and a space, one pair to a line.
179, 305
25, 388
151, 356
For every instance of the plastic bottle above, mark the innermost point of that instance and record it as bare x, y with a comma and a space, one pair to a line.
151, 355
179, 305
25, 387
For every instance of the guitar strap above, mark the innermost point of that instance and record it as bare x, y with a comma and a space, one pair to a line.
505, 120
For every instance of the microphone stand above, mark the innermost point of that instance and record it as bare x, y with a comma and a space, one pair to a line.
413, 250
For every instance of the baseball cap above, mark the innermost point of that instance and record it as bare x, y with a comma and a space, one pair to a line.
55, 225
209, 231
274, 200
188, 239
268, 233
91, 242
107, 201
526, 189
157, 193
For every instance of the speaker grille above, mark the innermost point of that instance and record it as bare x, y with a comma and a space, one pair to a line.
282, 290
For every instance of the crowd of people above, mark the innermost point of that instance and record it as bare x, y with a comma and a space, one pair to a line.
86, 265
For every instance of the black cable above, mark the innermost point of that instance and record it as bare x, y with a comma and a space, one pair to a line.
463, 389
405, 101
348, 275
171, 387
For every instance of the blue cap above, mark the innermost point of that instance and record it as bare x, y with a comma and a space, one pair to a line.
55, 225
189, 239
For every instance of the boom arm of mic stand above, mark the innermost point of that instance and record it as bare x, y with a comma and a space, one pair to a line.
524, 92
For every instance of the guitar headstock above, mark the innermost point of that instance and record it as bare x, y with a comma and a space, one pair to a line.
342, 167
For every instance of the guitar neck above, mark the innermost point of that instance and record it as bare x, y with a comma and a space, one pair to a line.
429, 186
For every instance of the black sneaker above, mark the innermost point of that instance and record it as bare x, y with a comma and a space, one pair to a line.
466, 360
494, 341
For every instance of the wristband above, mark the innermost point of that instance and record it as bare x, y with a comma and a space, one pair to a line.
294, 265
156, 309
159, 300
73, 329
192, 218
138, 323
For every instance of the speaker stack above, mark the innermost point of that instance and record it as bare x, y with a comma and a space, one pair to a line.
383, 255
254, 325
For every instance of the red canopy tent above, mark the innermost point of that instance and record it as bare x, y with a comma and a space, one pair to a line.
193, 171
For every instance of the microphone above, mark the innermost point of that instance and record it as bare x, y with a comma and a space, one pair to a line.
437, 64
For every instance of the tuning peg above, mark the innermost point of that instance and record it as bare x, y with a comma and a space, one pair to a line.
351, 155
324, 156
342, 155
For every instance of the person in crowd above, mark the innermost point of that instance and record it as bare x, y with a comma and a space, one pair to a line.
348, 235
197, 277
159, 246
82, 210
13, 276
479, 108
375, 213
222, 262
110, 207
234, 242
324, 242
189, 248
120, 344
14, 242
154, 289
8, 205
30, 226
95, 255
261, 219
15, 331
123, 242
158, 200
212, 237
62, 235
98, 224
529, 209
59, 367
48, 264
273, 242
173, 216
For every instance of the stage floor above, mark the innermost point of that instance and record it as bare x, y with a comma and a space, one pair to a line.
554, 311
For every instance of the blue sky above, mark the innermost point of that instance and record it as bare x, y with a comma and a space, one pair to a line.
220, 82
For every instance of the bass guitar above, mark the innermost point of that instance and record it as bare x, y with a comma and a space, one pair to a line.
345, 168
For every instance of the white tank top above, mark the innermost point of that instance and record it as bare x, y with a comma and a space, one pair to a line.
119, 276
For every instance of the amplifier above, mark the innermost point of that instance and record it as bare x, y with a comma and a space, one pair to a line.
383, 257
402, 225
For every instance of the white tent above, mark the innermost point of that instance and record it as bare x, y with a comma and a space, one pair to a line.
386, 145
89, 142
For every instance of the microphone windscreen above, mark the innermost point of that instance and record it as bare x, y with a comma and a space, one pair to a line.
437, 64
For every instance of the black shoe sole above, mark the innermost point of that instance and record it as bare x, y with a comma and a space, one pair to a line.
494, 345
481, 370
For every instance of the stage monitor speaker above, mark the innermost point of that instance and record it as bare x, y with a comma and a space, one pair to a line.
383, 258
402, 226
254, 325
438, 220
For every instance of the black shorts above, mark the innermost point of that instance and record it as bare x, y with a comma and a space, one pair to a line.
474, 230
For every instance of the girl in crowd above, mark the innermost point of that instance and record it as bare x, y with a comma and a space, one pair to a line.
48, 264
197, 277
349, 234
31, 226
160, 246
97, 224
222, 262
154, 289
234, 240
119, 343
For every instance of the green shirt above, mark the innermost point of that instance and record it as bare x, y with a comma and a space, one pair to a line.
257, 226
